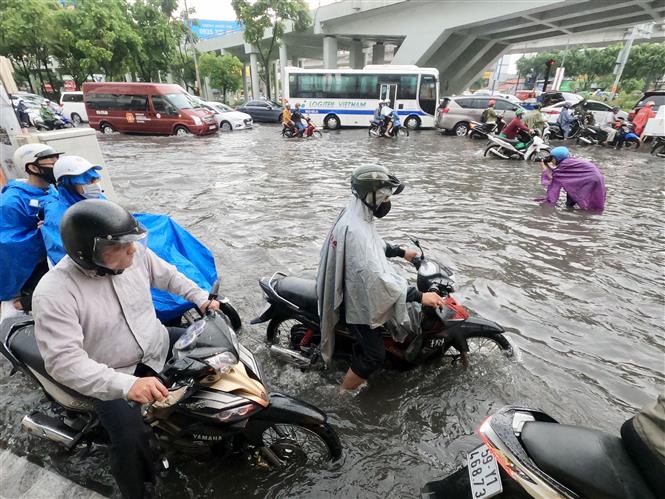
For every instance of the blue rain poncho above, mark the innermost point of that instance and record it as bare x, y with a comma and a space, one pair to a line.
166, 238
21, 245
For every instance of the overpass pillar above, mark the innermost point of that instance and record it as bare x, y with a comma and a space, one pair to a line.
245, 90
356, 55
254, 73
378, 53
329, 52
283, 61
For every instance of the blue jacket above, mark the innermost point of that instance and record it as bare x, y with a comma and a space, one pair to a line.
165, 237
21, 245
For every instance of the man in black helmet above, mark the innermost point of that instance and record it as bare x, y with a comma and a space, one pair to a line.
355, 281
97, 331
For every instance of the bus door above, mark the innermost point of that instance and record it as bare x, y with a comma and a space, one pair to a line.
388, 92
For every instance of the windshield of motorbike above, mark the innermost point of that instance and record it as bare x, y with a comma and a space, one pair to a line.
207, 337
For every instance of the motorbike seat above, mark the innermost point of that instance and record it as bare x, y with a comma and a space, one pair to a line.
24, 347
301, 292
592, 463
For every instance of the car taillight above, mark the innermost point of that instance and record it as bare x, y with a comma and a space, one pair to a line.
553, 111
443, 109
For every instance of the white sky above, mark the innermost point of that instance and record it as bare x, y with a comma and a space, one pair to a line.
221, 10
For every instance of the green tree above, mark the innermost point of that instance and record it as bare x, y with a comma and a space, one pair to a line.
272, 16
26, 34
225, 72
646, 62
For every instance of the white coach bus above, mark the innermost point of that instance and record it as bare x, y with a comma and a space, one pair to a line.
334, 98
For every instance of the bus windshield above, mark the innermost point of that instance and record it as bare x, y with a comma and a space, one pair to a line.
182, 101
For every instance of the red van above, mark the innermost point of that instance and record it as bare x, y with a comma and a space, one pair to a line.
151, 108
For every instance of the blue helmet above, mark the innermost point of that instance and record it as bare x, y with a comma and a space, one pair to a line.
560, 153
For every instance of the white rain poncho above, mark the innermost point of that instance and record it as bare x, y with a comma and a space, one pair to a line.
355, 272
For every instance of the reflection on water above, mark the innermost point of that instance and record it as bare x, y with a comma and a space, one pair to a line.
581, 294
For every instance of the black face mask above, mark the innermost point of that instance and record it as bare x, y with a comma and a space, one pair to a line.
45, 174
382, 210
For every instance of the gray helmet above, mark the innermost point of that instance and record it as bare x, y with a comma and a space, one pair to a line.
370, 178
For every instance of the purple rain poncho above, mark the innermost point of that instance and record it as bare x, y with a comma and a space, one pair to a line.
581, 179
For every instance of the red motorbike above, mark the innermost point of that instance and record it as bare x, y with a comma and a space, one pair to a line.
310, 130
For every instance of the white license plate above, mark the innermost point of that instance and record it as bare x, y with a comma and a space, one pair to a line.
212, 127
483, 473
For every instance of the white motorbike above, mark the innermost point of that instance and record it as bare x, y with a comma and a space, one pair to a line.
532, 149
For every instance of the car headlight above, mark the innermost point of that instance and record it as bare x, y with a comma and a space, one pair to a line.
197, 120
222, 362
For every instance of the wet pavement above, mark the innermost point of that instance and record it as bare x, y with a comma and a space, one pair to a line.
580, 294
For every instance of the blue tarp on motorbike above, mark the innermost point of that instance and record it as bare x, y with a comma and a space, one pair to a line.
165, 237
21, 246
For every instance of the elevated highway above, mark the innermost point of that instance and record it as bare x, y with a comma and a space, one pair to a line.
459, 38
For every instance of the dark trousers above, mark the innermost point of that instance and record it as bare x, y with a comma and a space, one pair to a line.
369, 352
132, 455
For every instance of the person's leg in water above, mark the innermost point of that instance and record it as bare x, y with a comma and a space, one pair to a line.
570, 202
368, 356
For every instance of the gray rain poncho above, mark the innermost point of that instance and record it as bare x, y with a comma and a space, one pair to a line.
354, 271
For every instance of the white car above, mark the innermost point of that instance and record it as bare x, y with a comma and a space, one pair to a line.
508, 97
73, 107
600, 110
227, 117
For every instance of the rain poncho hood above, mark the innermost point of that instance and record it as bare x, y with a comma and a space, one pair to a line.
581, 179
165, 237
21, 245
355, 283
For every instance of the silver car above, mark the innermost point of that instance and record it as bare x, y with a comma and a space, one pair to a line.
455, 113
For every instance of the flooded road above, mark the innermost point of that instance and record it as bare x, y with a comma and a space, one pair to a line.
580, 294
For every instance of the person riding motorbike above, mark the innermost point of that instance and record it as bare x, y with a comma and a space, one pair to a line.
534, 119
46, 114
393, 123
582, 180
287, 120
22, 252
355, 282
22, 114
643, 116
377, 118
607, 125
97, 331
566, 120
515, 126
489, 115
78, 179
297, 117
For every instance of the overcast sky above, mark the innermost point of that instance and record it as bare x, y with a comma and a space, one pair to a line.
221, 10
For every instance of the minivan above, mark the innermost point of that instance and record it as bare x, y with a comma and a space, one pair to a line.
73, 107
146, 108
455, 113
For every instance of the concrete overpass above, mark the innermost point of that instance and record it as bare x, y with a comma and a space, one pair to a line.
459, 38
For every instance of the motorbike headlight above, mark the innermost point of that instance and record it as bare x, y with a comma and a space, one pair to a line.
222, 362
237, 412
197, 120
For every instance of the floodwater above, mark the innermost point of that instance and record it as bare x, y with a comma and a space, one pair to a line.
580, 294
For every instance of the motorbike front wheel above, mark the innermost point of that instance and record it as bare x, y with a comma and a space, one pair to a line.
317, 134
495, 151
295, 443
402, 132
374, 131
484, 344
632, 144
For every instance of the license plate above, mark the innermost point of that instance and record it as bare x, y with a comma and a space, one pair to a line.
212, 127
483, 473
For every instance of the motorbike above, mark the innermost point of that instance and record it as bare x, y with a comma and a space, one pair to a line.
58, 123
626, 136
379, 129
294, 334
658, 148
556, 132
310, 130
526, 147
218, 402
527, 453
479, 130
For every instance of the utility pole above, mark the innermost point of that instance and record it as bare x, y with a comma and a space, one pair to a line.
189, 38
622, 58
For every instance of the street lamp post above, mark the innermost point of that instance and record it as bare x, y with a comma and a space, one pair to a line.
189, 38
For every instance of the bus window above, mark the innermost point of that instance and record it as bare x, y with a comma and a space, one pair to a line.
368, 86
427, 97
407, 87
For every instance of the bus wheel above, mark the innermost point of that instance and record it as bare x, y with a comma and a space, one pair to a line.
181, 130
332, 122
106, 128
412, 123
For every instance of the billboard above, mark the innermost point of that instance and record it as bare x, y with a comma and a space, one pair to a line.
206, 28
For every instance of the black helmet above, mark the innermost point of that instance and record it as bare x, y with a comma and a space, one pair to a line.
371, 178
91, 227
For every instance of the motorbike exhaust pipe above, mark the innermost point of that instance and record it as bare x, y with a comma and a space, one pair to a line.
290, 356
43, 426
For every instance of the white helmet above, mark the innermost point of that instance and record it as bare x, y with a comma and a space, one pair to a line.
72, 165
31, 153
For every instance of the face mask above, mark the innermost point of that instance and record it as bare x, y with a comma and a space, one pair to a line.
44, 173
382, 210
92, 191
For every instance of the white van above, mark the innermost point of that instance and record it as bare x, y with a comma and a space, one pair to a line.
73, 107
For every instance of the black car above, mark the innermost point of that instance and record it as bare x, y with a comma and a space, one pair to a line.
262, 110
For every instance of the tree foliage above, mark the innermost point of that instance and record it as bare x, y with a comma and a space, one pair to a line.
270, 16
646, 63
225, 71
